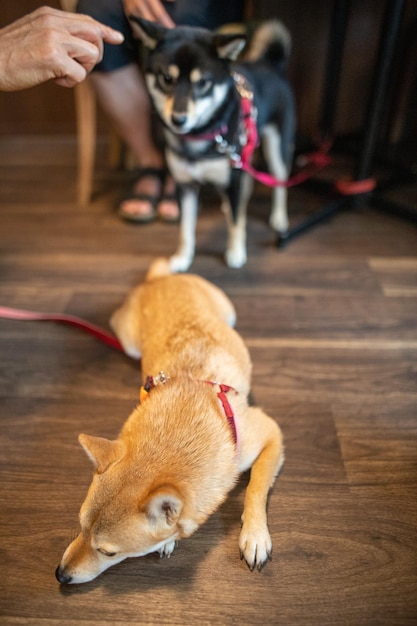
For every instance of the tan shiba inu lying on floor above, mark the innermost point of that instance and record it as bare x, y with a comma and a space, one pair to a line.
181, 450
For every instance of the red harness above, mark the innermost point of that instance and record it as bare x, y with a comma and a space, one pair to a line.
228, 411
152, 381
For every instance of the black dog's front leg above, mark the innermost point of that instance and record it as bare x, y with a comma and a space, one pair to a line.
236, 198
188, 200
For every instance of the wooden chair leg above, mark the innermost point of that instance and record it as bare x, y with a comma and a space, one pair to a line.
86, 107
116, 151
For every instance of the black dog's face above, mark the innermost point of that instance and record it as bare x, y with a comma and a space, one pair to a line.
186, 88
187, 73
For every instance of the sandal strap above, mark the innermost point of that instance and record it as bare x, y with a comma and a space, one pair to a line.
159, 175
155, 172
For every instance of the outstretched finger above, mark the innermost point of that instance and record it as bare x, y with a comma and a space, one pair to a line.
86, 28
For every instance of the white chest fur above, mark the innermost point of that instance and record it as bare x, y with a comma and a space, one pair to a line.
214, 170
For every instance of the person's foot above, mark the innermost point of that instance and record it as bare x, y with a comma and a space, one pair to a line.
152, 195
168, 209
139, 204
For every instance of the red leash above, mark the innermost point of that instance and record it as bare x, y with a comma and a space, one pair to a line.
72, 320
314, 162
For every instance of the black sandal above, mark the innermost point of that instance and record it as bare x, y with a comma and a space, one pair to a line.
169, 197
145, 218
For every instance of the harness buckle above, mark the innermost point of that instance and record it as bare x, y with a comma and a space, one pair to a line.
221, 144
224, 147
242, 86
236, 160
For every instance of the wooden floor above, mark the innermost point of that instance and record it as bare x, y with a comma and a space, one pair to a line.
331, 325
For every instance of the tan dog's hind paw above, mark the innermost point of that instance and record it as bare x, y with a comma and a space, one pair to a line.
255, 546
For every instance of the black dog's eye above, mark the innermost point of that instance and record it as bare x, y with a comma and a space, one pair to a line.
110, 554
166, 80
203, 84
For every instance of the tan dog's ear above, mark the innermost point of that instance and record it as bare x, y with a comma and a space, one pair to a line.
102, 452
164, 505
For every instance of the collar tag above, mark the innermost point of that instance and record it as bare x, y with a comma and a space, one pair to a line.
150, 383
242, 85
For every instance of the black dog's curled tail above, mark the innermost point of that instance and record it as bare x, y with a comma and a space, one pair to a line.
270, 42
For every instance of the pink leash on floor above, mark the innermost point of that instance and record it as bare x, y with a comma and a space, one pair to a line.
71, 320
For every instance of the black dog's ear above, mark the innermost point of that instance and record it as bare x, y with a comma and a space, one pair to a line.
230, 45
149, 32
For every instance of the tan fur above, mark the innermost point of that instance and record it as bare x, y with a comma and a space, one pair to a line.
267, 32
175, 460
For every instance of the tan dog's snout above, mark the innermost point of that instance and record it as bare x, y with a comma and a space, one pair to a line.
62, 576
63, 572
79, 563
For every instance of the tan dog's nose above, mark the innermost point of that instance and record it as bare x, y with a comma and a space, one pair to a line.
61, 576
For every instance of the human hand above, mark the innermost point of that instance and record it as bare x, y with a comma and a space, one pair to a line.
49, 44
152, 10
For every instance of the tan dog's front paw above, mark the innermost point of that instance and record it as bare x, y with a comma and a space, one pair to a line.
167, 549
255, 546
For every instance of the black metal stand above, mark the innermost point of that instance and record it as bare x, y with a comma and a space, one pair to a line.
337, 36
377, 100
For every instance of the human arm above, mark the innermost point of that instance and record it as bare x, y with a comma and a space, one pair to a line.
49, 44
152, 10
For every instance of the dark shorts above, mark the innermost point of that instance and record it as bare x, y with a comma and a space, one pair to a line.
206, 13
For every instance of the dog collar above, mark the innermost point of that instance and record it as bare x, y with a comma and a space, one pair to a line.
150, 383
153, 381
206, 136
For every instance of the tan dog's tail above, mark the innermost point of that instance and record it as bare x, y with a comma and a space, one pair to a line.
159, 267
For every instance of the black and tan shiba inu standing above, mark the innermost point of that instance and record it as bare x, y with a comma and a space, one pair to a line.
210, 107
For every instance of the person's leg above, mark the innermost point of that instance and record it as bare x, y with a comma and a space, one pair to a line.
123, 96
